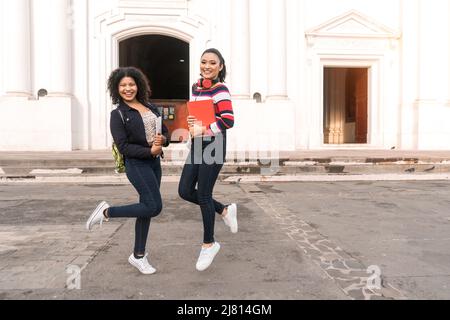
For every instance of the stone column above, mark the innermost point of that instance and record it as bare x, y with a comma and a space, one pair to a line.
53, 23
409, 74
17, 48
433, 76
277, 88
434, 51
258, 46
240, 49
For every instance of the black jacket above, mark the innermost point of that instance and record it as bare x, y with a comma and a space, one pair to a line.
130, 137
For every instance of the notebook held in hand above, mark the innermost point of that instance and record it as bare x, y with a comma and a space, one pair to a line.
203, 111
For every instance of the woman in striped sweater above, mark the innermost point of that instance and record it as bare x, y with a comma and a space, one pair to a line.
207, 155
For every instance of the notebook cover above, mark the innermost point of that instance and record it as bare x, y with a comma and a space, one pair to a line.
159, 125
203, 110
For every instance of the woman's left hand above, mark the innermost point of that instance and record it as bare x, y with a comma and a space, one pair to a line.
191, 120
196, 130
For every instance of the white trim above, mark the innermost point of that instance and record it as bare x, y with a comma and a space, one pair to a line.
215, 128
118, 25
354, 40
222, 96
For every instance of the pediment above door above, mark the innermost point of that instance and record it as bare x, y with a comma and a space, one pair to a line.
352, 24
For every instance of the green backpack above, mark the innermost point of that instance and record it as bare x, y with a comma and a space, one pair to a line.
118, 157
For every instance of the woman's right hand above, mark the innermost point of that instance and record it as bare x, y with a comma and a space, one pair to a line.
159, 140
156, 150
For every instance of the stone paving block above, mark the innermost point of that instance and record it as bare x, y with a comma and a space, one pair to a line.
89, 252
322, 248
338, 273
314, 254
354, 264
42, 254
391, 292
81, 260
27, 268
379, 298
327, 243
308, 229
357, 295
25, 281
330, 257
298, 237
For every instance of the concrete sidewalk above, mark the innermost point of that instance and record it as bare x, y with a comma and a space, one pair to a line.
315, 240
283, 249
38, 253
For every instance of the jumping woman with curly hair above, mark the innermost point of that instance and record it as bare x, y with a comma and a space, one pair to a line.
133, 127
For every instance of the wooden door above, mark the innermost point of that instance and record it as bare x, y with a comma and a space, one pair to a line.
361, 99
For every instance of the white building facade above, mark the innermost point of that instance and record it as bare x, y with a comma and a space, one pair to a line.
304, 74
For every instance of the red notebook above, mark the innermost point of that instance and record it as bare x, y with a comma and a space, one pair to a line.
203, 110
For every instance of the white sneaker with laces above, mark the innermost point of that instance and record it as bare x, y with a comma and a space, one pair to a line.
207, 256
141, 264
231, 218
97, 215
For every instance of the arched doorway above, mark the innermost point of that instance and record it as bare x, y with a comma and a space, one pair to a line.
165, 61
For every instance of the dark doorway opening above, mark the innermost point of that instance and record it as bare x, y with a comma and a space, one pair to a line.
346, 105
165, 62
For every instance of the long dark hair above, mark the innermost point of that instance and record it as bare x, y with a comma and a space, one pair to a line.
144, 92
223, 73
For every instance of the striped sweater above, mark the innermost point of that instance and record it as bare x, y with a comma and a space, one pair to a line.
222, 105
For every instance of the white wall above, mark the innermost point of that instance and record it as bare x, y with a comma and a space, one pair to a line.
411, 109
81, 84
2, 51
43, 125
433, 103
26, 123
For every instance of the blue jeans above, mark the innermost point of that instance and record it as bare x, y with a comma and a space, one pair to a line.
203, 175
145, 176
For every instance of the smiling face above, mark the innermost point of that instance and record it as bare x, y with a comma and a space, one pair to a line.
210, 66
128, 89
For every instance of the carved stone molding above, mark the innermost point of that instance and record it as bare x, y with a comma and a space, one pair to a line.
352, 26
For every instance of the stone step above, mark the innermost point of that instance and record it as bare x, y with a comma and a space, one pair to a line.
246, 168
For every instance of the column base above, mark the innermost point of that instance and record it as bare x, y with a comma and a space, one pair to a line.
18, 94
59, 95
240, 97
277, 97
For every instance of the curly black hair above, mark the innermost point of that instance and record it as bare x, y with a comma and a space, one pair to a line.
144, 92
223, 73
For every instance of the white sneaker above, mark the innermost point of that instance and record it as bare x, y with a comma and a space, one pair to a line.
141, 264
97, 216
207, 256
231, 218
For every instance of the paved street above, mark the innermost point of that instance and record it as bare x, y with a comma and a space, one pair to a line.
296, 240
